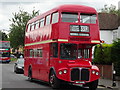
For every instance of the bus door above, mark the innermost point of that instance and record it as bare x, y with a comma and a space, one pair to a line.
53, 53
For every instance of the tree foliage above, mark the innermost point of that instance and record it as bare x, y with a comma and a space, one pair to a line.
18, 26
110, 9
3, 36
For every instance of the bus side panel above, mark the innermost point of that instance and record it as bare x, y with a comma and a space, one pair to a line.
43, 66
46, 62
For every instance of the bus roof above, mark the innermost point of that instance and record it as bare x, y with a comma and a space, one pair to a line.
71, 8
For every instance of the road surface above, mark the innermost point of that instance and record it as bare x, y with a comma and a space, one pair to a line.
13, 81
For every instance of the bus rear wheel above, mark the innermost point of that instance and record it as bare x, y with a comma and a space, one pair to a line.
54, 81
30, 74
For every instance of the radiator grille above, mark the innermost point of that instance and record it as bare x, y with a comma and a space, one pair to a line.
85, 74
80, 74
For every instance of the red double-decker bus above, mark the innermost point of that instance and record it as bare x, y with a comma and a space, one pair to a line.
58, 46
5, 51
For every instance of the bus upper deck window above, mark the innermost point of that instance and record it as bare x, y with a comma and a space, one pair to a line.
69, 17
32, 26
42, 22
55, 17
37, 24
88, 18
48, 19
28, 28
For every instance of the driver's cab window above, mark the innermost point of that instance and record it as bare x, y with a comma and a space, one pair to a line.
68, 51
84, 52
79, 53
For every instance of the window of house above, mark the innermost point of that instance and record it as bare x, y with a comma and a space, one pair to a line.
42, 22
48, 19
115, 35
55, 17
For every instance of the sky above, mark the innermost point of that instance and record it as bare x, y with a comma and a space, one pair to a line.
8, 7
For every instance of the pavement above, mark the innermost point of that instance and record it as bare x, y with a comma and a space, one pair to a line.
109, 84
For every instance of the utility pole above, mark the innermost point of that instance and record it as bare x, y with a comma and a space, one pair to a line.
113, 78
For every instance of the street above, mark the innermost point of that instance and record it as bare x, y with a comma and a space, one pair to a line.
19, 81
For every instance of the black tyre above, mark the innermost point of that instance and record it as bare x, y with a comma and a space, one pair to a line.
54, 81
15, 70
93, 85
30, 74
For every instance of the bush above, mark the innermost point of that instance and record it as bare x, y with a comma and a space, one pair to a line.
102, 54
116, 56
108, 54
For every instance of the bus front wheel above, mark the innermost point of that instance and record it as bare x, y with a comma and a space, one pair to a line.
93, 85
54, 81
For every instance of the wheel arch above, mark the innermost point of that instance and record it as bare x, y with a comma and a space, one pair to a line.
30, 66
52, 69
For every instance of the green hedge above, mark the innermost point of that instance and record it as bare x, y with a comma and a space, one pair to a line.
108, 54
102, 54
116, 56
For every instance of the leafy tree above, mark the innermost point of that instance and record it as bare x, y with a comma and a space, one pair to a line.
18, 26
110, 9
3, 36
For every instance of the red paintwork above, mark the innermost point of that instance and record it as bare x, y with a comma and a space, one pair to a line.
41, 66
5, 59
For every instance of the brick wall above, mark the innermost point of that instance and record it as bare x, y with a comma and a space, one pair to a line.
105, 71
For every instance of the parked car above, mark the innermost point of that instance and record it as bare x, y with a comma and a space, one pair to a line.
19, 66
12, 56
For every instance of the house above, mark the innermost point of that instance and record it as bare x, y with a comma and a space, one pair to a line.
109, 27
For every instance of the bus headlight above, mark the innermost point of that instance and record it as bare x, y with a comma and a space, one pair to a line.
60, 72
93, 72
97, 73
65, 71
